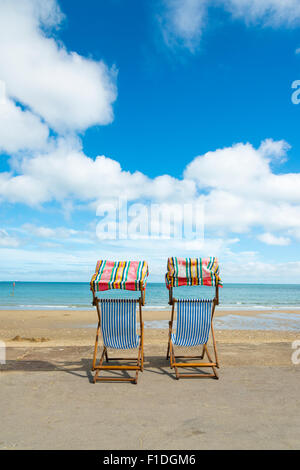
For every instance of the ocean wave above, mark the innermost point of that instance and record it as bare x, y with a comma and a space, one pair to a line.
45, 307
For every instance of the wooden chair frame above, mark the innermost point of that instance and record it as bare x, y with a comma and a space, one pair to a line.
213, 363
138, 367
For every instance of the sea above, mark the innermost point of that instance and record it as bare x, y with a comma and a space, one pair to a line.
77, 295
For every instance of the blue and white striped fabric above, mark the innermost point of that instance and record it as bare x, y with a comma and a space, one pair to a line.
193, 322
118, 324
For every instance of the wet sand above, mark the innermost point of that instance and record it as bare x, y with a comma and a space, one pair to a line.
52, 328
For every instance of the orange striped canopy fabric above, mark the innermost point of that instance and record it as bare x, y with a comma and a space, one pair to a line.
127, 275
193, 272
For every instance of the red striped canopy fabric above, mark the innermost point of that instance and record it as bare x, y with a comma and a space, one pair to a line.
193, 272
127, 275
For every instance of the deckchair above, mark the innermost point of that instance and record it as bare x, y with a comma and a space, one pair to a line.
117, 317
194, 317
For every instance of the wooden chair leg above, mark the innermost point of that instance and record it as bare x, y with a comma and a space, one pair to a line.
215, 372
96, 347
215, 347
170, 335
172, 356
100, 364
207, 352
139, 359
96, 375
142, 348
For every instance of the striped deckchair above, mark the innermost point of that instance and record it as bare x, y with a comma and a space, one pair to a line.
194, 317
117, 317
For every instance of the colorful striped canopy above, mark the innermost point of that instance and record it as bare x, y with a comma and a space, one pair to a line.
193, 272
127, 275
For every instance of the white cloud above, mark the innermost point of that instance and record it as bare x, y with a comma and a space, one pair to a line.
56, 263
7, 240
258, 271
184, 21
60, 235
242, 171
66, 172
237, 185
46, 265
271, 239
53, 264
268, 12
20, 130
48, 232
274, 149
67, 90
242, 191
219, 169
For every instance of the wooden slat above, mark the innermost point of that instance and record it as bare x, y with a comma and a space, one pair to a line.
114, 379
117, 367
189, 357
194, 364
122, 359
195, 375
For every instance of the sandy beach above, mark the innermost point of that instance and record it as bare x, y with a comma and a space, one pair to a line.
255, 404
52, 328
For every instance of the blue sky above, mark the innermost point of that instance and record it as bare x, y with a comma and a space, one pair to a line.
174, 104
185, 101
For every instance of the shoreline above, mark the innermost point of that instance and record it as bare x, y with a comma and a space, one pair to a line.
154, 308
